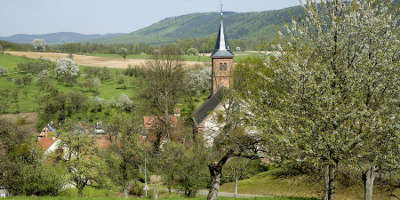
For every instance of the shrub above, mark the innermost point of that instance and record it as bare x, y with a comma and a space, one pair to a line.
135, 71
44, 180
43, 77
92, 71
137, 189
35, 67
192, 52
3, 71
125, 102
102, 73
21, 121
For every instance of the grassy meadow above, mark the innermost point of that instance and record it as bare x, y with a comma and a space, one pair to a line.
91, 193
27, 95
268, 183
110, 89
165, 198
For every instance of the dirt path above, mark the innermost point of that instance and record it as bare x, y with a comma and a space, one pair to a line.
93, 61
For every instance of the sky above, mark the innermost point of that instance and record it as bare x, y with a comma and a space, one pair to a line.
110, 16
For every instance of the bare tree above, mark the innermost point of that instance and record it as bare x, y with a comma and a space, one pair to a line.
164, 86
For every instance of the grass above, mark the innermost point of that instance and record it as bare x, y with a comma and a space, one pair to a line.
172, 198
91, 193
28, 95
267, 183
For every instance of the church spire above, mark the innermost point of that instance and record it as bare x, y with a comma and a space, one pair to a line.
221, 49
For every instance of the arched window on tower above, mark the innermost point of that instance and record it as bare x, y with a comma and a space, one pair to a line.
223, 67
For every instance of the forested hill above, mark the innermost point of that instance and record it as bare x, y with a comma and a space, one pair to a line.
252, 25
55, 38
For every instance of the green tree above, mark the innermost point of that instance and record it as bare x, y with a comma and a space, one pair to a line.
192, 52
4, 100
237, 169
334, 87
125, 154
3, 71
191, 177
123, 52
172, 158
79, 156
22, 166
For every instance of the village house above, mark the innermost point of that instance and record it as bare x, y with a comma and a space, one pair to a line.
153, 123
3, 192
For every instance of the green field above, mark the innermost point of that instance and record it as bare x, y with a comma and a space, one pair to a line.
102, 194
267, 183
110, 89
28, 95
172, 198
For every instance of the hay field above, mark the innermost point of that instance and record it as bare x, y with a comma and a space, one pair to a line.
93, 61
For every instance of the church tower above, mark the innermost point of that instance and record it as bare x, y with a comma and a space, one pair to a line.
222, 61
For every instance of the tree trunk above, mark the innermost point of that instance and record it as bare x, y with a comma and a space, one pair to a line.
166, 117
125, 192
123, 168
236, 187
216, 174
80, 192
155, 192
368, 180
169, 191
330, 176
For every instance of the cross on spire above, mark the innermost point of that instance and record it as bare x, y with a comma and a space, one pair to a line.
222, 8
221, 47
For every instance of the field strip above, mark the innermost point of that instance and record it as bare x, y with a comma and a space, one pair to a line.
93, 61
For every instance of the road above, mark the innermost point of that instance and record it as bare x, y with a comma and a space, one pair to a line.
221, 194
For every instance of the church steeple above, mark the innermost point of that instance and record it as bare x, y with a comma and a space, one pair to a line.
222, 61
221, 49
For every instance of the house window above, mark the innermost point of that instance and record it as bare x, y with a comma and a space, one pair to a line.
223, 67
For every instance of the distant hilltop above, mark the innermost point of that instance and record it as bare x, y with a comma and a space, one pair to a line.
56, 38
249, 26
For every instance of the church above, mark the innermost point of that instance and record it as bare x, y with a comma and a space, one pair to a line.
222, 67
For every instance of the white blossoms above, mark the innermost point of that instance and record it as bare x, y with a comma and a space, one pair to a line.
66, 67
39, 44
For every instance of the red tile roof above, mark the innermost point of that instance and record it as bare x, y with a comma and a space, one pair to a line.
150, 122
46, 142
102, 142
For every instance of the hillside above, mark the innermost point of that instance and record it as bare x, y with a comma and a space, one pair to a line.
252, 25
56, 38
269, 183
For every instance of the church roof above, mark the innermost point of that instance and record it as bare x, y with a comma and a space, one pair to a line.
222, 49
208, 106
